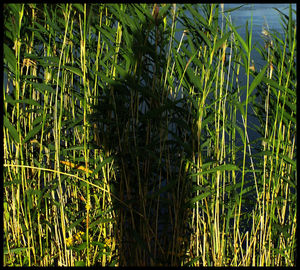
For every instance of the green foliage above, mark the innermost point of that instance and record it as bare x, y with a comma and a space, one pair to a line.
124, 145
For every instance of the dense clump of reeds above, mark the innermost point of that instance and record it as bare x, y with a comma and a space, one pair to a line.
124, 145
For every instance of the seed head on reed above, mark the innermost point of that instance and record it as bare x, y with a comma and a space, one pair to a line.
252, 67
265, 33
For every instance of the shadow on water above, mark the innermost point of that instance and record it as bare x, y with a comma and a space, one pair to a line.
138, 121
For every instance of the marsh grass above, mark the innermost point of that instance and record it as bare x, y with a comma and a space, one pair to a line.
124, 145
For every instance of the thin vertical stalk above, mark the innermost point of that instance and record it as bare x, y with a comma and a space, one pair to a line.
57, 137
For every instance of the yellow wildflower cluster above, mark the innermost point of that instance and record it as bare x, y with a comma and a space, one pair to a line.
107, 242
69, 241
76, 238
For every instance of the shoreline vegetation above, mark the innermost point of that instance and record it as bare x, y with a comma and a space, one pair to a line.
124, 146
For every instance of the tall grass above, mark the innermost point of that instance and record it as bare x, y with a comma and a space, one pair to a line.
126, 145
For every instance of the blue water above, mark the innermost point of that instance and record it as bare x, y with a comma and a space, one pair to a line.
263, 15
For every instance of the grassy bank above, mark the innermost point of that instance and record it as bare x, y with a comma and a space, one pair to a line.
124, 145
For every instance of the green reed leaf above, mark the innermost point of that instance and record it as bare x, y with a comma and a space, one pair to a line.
42, 87
32, 133
108, 32
287, 116
49, 61
29, 101
142, 13
197, 15
101, 221
75, 70
221, 168
75, 224
11, 129
257, 80
220, 42
240, 39
193, 79
9, 57
9, 99
99, 167
78, 248
199, 197
205, 38
233, 9
79, 7
191, 45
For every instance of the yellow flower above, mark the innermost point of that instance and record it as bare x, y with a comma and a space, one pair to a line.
78, 235
88, 206
69, 241
107, 242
